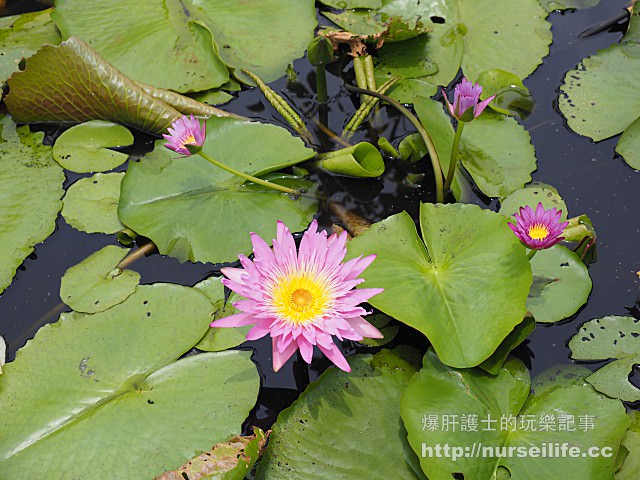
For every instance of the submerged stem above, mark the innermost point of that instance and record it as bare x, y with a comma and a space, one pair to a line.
321, 84
453, 160
246, 176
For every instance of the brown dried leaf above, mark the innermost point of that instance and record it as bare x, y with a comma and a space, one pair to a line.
229, 461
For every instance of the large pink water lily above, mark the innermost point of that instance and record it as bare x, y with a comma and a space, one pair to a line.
465, 101
185, 132
538, 229
301, 298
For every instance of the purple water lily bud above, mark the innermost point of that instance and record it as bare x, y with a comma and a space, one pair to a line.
465, 101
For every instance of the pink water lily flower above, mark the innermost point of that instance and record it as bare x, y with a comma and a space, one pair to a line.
301, 298
538, 229
465, 101
183, 132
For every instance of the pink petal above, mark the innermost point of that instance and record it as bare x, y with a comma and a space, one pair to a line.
233, 274
479, 108
364, 328
281, 357
306, 349
449, 106
237, 320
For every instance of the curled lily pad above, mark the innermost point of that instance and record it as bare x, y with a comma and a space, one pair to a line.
218, 339
27, 214
431, 284
343, 416
230, 460
193, 210
71, 83
191, 41
21, 36
91, 204
561, 284
97, 283
85, 147
507, 416
610, 337
112, 382
360, 160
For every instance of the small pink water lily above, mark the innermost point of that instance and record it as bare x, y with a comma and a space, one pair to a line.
538, 229
465, 101
183, 132
301, 298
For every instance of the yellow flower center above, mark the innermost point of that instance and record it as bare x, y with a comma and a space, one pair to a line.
538, 232
189, 140
300, 298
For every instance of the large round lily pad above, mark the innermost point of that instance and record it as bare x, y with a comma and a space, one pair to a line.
561, 284
450, 285
83, 148
97, 283
184, 45
102, 396
27, 214
341, 423
91, 204
193, 210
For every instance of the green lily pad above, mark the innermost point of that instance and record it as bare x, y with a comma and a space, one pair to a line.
218, 339
631, 449
27, 214
345, 417
610, 337
597, 98
494, 363
371, 22
385, 325
91, 204
437, 123
511, 96
479, 35
561, 284
551, 5
110, 382
562, 408
629, 145
85, 147
433, 284
161, 44
362, 160
373, 4
531, 195
191, 41
412, 148
231, 460
497, 152
81, 86
21, 36
97, 283
193, 210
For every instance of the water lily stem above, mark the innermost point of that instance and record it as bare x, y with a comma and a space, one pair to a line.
532, 253
453, 160
246, 176
433, 155
321, 84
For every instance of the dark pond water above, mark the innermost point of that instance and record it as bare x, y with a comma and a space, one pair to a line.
589, 176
